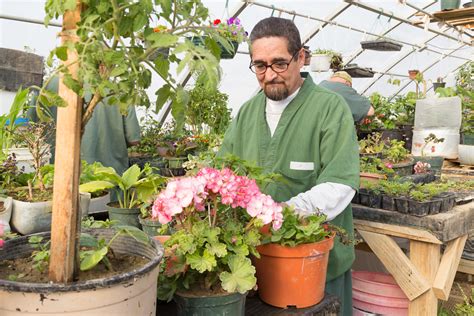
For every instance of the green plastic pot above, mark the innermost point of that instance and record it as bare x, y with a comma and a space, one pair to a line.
225, 54
125, 216
149, 226
450, 4
176, 162
468, 139
223, 305
403, 169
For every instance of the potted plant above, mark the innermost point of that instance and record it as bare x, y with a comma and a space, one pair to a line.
412, 73
372, 146
399, 157
439, 83
146, 151
391, 191
288, 272
436, 162
216, 216
104, 254
228, 35
325, 59
134, 188
373, 170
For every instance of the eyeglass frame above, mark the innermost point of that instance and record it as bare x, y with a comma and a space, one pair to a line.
270, 66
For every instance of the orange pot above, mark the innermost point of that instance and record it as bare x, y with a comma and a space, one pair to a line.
293, 276
370, 177
162, 238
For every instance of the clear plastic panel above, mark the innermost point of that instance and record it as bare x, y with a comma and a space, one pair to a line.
438, 113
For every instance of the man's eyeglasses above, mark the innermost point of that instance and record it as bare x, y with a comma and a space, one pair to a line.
278, 66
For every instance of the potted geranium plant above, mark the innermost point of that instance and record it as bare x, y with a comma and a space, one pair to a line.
436, 162
288, 272
217, 216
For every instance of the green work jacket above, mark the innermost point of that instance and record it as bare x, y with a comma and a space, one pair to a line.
314, 142
358, 104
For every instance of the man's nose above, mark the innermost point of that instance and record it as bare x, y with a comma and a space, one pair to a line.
270, 74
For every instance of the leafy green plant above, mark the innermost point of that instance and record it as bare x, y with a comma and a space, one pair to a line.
418, 195
149, 134
297, 230
115, 62
394, 188
216, 217
136, 186
40, 256
373, 144
94, 250
375, 165
207, 111
396, 151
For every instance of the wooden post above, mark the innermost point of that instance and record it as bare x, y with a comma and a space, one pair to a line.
67, 163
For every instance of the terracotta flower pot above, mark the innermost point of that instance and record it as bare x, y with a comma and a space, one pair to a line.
412, 74
293, 276
370, 177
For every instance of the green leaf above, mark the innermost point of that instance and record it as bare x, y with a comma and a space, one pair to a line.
217, 249
139, 22
162, 66
135, 233
87, 240
96, 186
131, 176
162, 39
72, 84
241, 277
61, 52
163, 95
91, 258
203, 263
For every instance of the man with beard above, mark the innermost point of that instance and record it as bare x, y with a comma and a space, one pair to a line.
304, 132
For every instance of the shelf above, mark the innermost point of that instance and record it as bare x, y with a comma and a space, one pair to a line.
458, 17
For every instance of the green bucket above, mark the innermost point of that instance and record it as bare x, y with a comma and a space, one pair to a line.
124, 216
436, 162
468, 139
228, 305
149, 226
450, 4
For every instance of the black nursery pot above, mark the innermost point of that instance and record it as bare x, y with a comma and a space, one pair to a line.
447, 201
418, 208
435, 206
388, 203
375, 200
364, 197
356, 198
401, 205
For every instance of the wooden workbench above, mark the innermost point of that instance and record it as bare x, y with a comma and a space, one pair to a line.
427, 275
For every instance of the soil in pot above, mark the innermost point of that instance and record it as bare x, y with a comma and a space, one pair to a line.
21, 269
388, 203
21, 194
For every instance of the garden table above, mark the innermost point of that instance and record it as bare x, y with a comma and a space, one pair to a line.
427, 275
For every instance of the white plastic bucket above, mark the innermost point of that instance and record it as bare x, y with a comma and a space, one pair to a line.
320, 62
438, 113
447, 149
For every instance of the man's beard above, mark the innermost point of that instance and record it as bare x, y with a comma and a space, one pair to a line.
275, 91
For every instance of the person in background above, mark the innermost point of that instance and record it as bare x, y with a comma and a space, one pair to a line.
304, 132
341, 83
107, 134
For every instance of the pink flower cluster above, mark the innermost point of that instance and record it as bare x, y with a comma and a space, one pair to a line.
210, 184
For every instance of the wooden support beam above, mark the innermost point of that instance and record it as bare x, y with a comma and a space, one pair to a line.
425, 257
67, 162
397, 230
466, 266
448, 267
405, 273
